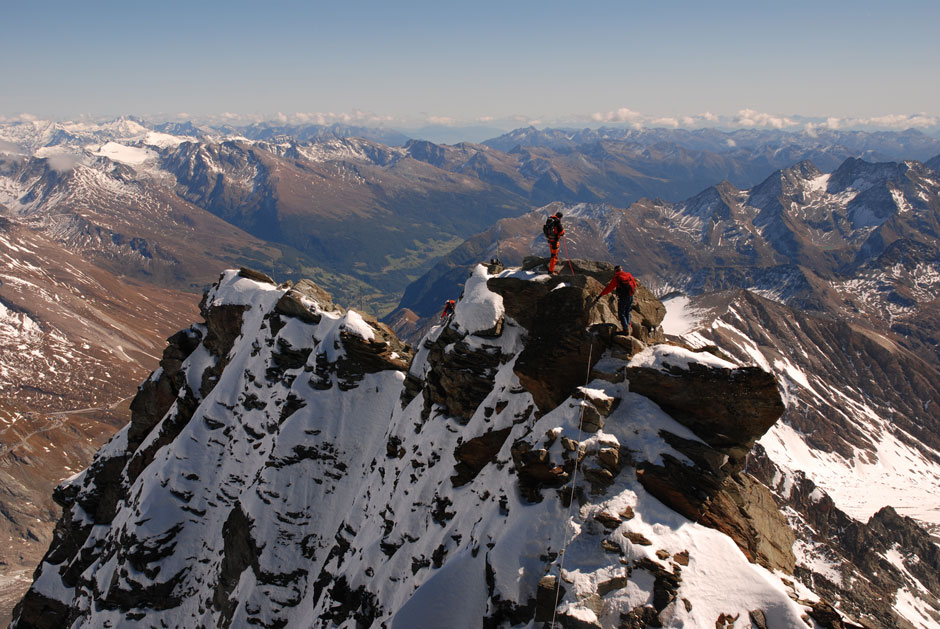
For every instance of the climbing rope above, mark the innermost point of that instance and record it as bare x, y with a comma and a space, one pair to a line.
574, 482
565, 242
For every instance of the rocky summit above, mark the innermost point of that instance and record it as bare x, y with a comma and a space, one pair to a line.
293, 464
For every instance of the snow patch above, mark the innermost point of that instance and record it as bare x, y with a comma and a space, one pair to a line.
480, 308
663, 357
680, 319
131, 155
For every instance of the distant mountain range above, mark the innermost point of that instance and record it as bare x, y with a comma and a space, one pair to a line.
798, 229
111, 230
367, 217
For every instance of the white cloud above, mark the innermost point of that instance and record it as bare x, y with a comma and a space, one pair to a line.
750, 118
446, 121
24, 117
62, 162
891, 122
898, 121
620, 115
672, 123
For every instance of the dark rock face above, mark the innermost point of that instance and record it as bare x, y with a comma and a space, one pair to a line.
729, 409
560, 351
650, 310
736, 505
383, 352
156, 396
568, 331
461, 378
473, 455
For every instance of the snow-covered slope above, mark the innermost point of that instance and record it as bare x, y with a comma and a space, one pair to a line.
291, 464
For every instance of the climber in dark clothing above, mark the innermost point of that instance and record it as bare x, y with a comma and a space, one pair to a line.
625, 285
448, 309
553, 232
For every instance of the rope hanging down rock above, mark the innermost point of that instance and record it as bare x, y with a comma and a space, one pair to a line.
565, 243
574, 479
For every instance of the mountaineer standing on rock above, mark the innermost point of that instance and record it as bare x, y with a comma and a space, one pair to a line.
553, 232
625, 285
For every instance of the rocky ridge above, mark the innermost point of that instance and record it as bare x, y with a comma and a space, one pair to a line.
291, 461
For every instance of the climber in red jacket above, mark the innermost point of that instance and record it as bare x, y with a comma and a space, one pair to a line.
448, 309
553, 232
625, 285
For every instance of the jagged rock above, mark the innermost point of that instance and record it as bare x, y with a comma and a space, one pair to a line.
610, 546
609, 458
617, 583
560, 352
650, 310
827, 616
728, 408
862, 546
381, 353
292, 303
631, 345
758, 619
257, 276
640, 618
604, 404
473, 455
557, 313
410, 535
591, 419
155, 396
665, 584
608, 520
637, 538
459, 377
549, 591
535, 470
736, 505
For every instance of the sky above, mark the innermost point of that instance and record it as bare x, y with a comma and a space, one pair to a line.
482, 62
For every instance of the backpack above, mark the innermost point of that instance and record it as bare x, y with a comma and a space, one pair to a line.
550, 228
631, 285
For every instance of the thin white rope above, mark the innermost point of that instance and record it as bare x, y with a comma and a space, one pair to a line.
574, 481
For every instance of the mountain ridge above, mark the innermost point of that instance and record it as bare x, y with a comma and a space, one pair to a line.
430, 536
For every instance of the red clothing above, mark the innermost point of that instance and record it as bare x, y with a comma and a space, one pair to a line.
621, 278
448, 309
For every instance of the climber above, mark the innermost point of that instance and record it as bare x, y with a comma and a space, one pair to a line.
625, 285
553, 232
448, 310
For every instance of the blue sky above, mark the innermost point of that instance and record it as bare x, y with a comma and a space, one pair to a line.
471, 61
